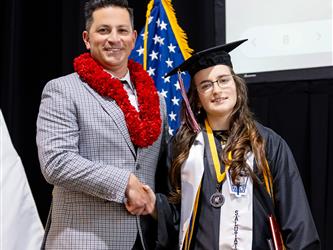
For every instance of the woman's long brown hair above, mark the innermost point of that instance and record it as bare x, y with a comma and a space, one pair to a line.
243, 138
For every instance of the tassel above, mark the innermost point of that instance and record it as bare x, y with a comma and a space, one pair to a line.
188, 111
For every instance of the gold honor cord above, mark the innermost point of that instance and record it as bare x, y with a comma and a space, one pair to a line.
220, 176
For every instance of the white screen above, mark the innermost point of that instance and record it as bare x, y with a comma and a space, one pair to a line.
283, 34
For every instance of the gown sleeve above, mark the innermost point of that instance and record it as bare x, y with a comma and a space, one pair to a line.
168, 214
291, 205
167, 223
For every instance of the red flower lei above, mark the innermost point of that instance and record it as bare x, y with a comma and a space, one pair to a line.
145, 126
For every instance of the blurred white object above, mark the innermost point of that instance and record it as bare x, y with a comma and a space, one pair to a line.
20, 225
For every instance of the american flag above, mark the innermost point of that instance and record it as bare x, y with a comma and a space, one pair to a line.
161, 46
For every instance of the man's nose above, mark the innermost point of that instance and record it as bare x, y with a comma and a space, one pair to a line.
113, 36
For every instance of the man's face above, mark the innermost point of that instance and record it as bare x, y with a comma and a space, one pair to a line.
110, 38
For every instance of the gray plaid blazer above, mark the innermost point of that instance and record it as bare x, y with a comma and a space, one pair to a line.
85, 151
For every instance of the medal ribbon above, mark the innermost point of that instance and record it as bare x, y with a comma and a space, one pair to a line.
219, 176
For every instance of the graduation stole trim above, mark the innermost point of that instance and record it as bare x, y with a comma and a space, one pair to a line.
274, 226
268, 180
189, 232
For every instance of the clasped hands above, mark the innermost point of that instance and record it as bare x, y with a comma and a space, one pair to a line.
140, 198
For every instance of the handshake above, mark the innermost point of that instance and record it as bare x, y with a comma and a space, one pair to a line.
140, 198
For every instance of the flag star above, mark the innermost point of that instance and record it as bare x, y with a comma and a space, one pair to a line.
177, 85
156, 39
151, 71
170, 131
143, 35
140, 51
175, 101
153, 55
164, 93
150, 19
161, 41
158, 22
169, 63
166, 79
172, 116
172, 48
163, 25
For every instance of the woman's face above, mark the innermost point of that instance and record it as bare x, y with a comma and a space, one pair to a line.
217, 91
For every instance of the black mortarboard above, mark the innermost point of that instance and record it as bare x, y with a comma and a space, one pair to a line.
207, 58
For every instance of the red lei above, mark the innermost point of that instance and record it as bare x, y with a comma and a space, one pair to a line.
145, 126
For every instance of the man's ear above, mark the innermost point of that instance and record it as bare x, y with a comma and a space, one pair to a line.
135, 35
85, 37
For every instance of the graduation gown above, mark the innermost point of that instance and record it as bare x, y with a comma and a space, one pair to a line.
291, 206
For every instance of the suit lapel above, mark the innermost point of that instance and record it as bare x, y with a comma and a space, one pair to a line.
112, 109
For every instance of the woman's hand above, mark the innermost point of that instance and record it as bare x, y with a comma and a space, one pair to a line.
150, 207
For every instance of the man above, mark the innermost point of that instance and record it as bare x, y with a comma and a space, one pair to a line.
100, 134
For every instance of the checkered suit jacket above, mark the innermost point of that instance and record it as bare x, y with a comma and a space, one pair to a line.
85, 151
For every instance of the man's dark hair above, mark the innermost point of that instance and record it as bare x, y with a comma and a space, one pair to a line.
93, 5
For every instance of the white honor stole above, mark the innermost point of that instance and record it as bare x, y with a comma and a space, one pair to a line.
236, 219
191, 175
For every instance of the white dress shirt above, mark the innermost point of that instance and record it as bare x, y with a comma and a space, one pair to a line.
128, 86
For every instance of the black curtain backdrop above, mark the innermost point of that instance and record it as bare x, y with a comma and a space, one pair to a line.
40, 40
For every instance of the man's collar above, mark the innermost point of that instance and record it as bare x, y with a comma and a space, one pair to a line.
126, 78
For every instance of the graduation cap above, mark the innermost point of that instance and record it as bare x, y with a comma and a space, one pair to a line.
207, 58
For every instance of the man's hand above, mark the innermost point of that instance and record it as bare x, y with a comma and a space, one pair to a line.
137, 197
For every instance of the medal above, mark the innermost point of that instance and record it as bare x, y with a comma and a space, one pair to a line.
217, 200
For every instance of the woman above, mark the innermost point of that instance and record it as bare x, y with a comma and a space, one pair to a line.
234, 178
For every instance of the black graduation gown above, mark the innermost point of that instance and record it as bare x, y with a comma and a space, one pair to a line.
291, 207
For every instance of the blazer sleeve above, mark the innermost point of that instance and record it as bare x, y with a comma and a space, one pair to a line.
291, 204
168, 214
58, 136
